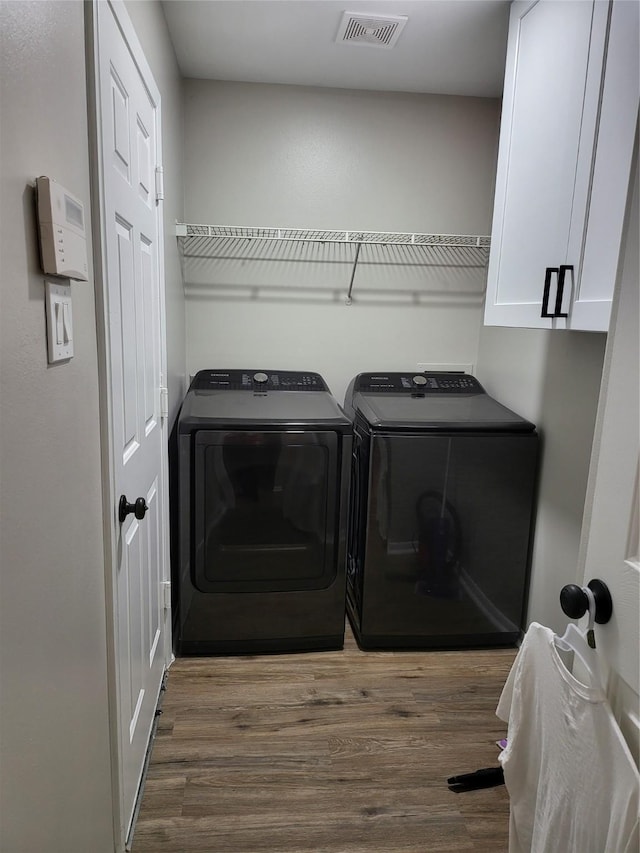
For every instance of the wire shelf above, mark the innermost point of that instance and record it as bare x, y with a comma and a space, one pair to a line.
228, 243
305, 235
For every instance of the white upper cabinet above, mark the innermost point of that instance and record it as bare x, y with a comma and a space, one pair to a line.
569, 117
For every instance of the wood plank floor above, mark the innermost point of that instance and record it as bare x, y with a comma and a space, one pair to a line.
330, 752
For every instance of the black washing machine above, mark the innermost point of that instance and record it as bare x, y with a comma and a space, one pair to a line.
263, 470
443, 486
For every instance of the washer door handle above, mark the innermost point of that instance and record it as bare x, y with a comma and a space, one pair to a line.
139, 508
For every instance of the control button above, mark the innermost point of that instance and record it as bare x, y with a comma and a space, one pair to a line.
419, 380
260, 378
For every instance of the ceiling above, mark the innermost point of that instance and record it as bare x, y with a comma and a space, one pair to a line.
448, 47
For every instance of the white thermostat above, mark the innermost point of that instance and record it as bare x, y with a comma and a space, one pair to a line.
63, 241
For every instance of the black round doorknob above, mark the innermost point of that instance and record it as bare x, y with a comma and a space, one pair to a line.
138, 508
574, 601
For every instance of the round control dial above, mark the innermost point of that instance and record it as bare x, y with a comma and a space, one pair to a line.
419, 380
260, 378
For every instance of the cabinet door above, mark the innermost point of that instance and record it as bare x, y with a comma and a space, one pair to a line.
598, 241
550, 108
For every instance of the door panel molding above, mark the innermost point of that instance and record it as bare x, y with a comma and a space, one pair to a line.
123, 168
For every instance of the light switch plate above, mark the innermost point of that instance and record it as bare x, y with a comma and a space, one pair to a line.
59, 321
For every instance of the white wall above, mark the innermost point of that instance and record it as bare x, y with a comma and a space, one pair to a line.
55, 759
55, 766
288, 156
552, 378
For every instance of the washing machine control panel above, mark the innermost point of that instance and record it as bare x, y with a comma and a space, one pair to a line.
258, 380
418, 383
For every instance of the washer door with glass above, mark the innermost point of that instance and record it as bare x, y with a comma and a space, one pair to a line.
265, 510
448, 531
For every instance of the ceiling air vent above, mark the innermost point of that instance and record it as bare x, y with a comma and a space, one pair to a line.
371, 30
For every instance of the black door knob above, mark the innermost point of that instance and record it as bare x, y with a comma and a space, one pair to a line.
138, 508
574, 601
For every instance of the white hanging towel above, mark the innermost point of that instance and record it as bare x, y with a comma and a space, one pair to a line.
572, 781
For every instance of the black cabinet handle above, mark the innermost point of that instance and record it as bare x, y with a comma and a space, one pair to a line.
564, 269
561, 272
139, 508
547, 289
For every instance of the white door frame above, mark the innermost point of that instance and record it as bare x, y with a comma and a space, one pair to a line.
109, 490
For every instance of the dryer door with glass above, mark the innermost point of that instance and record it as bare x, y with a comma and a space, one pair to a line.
265, 510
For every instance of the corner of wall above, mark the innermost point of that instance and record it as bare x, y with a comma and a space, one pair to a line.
553, 379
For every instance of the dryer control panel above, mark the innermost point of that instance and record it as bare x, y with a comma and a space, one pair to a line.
418, 383
258, 380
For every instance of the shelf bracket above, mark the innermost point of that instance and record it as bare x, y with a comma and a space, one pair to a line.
348, 300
